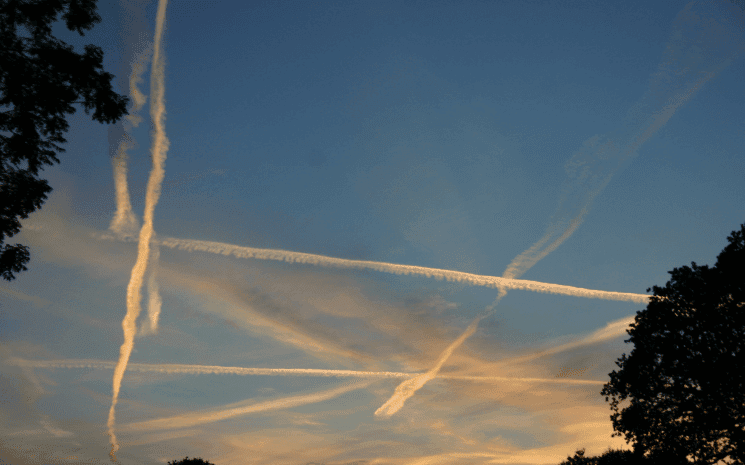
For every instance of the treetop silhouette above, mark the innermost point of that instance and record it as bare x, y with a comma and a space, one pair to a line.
685, 376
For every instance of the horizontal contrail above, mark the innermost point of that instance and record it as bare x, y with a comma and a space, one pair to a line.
172, 368
437, 273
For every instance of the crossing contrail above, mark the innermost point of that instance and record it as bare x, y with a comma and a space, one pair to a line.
698, 49
172, 368
437, 273
158, 152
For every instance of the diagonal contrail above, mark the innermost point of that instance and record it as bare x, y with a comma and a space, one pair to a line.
437, 273
158, 152
240, 408
698, 49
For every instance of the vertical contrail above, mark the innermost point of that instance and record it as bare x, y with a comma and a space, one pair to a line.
154, 300
124, 222
703, 42
158, 153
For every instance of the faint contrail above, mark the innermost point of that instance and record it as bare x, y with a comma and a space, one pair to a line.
171, 368
158, 153
611, 330
437, 273
154, 301
124, 221
240, 408
705, 39
693, 56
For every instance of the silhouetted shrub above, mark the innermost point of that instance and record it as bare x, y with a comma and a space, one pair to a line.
188, 461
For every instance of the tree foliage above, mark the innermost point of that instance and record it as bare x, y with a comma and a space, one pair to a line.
40, 78
685, 376
609, 457
187, 461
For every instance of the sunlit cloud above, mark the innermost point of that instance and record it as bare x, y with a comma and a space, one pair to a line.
230, 302
611, 330
240, 408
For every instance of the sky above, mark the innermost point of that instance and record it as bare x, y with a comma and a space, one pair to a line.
367, 232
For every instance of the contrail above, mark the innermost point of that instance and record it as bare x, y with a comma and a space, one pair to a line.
240, 408
611, 330
410, 386
158, 153
172, 368
693, 56
124, 221
437, 273
154, 301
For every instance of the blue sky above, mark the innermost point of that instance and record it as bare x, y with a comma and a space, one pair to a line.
453, 136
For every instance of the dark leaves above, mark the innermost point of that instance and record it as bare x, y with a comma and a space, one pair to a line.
13, 259
686, 372
40, 78
187, 461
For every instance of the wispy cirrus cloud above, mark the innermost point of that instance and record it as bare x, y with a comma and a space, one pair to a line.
241, 408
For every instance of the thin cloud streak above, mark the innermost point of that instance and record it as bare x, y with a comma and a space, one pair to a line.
592, 167
172, 368
409, 270
158, 152
226, 301
37, 301
211, 416
610, 331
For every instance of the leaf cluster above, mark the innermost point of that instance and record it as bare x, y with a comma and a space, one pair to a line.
40, 78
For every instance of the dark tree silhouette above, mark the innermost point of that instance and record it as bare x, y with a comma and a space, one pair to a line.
40, 78
685, 376
609, 457
187, 461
